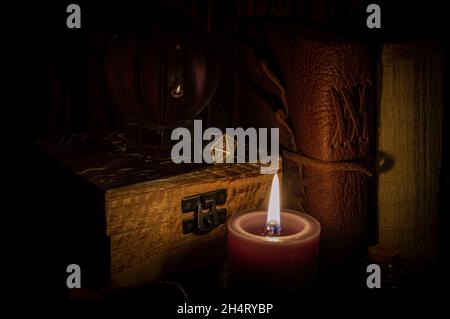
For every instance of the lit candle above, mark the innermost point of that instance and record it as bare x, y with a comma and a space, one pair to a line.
178, 92
273, 249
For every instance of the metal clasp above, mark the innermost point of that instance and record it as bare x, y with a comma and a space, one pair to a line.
206, 214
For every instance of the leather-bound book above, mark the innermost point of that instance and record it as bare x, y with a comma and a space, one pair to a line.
329, 105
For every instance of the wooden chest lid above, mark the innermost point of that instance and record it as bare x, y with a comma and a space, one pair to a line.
110, 160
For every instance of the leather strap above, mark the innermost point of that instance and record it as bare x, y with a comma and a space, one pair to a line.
302, 159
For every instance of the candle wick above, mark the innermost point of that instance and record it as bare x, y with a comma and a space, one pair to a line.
273, 229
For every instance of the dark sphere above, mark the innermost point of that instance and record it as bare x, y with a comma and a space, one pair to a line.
161, 72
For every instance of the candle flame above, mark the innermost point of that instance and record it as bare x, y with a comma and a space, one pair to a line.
273, 212
178, 89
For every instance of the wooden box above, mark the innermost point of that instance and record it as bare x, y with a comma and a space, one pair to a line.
125, 211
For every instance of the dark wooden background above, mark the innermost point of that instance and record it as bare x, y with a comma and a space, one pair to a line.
59, 76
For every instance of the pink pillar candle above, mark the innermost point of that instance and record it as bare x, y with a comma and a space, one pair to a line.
287, 262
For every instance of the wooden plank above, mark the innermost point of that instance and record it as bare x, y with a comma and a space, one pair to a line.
409, 143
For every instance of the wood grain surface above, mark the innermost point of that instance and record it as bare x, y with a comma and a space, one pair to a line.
409, 144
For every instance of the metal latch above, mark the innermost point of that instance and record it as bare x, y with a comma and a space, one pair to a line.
206, 214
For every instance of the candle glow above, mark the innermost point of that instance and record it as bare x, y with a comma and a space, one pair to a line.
273, 212
273, 224
262, 256
178, 92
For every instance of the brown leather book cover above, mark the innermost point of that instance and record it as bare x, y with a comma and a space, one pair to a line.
329, 105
